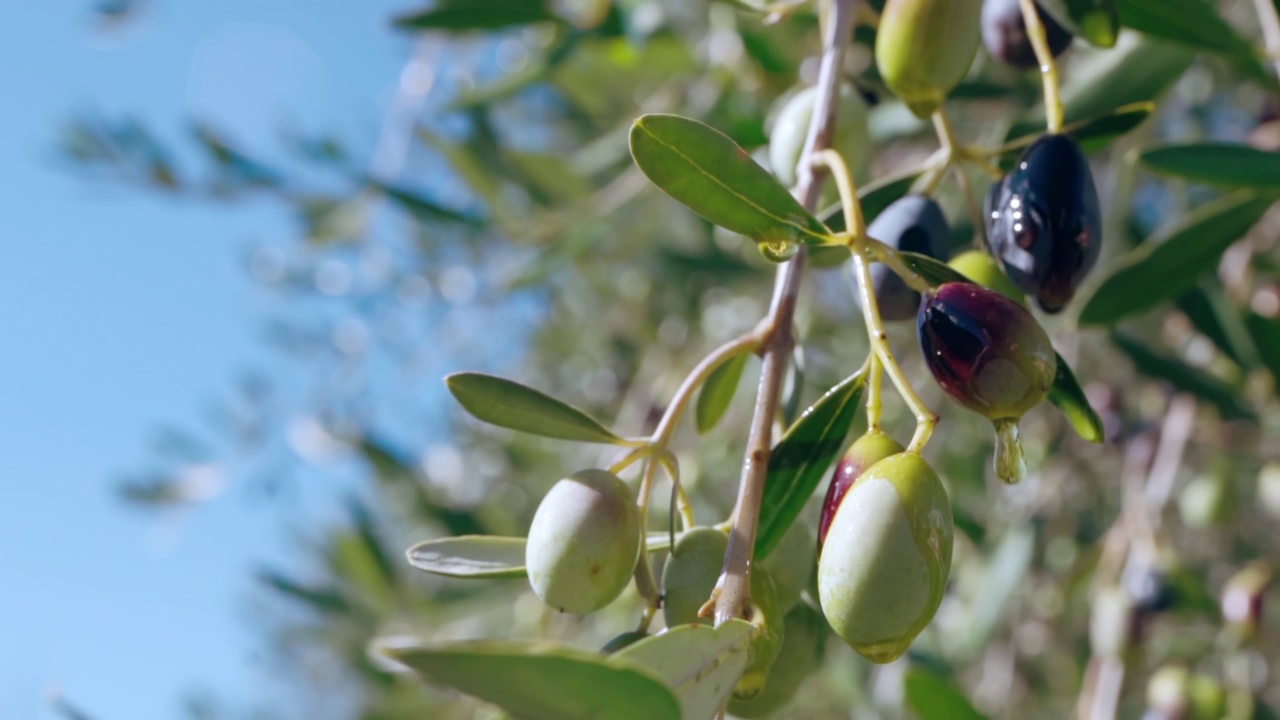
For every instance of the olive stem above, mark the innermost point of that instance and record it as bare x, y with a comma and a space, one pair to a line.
925, 418
875, 378
1011, 467
749, 342
646, 585
734, 589
880, 252
1048, 67
681, 497
1270, 21
854, 222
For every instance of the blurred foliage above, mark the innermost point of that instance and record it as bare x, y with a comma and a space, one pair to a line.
519, 239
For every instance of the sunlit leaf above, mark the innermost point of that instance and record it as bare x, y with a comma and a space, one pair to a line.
802, 457
1192, 22
934, 698
470, 556
540, 680
1067, 395
1225, 164
700, 663
934, 271
1161, 366
509, 404
464, 15
717, 392
704, 169
1167, 266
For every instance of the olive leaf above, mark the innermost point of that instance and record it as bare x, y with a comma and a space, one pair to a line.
934, 271
1265, 333
701, 664
509, 404
1225, 164
1097, 21
934, 698
1067, 395
539, 680
1194, 23
1214, 316
707, 171
800, 459
1193, 380
1171, 263
717, 392
470, 556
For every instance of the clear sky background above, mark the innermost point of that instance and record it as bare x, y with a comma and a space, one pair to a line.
122, 311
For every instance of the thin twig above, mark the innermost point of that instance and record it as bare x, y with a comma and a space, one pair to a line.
735, 588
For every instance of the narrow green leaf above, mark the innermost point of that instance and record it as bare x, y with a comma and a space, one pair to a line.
1225, 164
1005, 572
1093, 134
934, 271
509, 404
1191, 22
934, 698
1215, 317
540, 680
1265, 333
1097, 21
1193, 380
1067, 395
422, 208
470, 556
700, 663
465, 15
717, 392
800, 459
707, 171
1172, 263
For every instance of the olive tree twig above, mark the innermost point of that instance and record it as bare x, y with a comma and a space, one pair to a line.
734, 590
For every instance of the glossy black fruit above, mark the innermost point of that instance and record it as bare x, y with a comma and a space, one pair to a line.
1044, 223
916, 224
985, 350
1005, 34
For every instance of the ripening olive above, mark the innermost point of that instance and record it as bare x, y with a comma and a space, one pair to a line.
985, 350
924, 49
584, 542
791, 128
981, 268
916, 224
1044, 222
803, 643
862, 454
1005, 34
791, 564
691, 573
884, 567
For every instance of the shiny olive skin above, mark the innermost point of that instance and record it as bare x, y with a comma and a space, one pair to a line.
985, 350
862, 454
916, 224
981, 268
924, 49
1005, 34
884, 567
1044, 223
584, 542
803, 643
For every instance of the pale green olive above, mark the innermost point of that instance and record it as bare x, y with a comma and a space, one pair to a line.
802, 645
584, 542
791, 127
884, 566
924, 48
691, 573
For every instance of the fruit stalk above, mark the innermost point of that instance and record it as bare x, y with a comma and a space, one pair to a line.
1048, 67
734, 590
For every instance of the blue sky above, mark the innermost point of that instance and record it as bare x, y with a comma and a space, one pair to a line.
123, 311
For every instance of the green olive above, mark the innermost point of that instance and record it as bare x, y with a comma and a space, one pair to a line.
584, 542
924, 48
791, 127
766, 614
884, 566
980, 267
803, 643
690, 575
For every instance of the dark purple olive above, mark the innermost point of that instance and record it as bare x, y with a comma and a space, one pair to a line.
915, 224
862, 454
1151, 591
1005, 34
1044, 223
